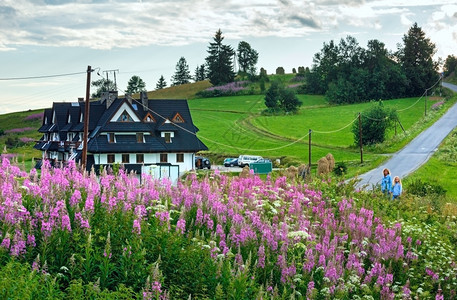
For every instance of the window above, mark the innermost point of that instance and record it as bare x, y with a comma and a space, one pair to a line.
167, 137
178, 119
139, 137
180, 157
149, 118
125, 158
163, 157
111, 138
140, 158
110, 159
125, 117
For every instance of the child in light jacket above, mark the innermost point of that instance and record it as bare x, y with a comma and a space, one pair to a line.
386, 182
396, 188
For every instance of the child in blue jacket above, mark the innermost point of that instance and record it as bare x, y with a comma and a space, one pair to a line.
386, 182
396, 188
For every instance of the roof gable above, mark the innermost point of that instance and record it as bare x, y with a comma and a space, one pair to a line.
126, 110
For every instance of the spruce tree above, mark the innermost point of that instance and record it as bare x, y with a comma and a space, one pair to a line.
182, 73
161, 83
220, 61
416, 58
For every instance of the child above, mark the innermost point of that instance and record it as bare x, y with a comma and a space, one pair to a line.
396, 188
386, 182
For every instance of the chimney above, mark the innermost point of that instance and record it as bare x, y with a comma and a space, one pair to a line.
80, 99
144, 100
109, 97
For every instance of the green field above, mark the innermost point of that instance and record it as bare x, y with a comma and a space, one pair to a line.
235, 125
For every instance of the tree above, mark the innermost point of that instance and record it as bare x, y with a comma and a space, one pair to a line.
288, 101
161, 83
279, 98
416, 58
247, 58
376, 120
450, 64
219, 61
200, 73
182, 73
102, 85
272, 97
135, 85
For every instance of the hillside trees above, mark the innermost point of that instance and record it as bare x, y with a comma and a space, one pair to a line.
102, 85
247, 58
278, 98
161, 83
200, 73
416, 59
182, 73
450, 64
135, 85
219, 61
348, 73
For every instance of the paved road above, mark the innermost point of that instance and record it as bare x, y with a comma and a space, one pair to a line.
418, 151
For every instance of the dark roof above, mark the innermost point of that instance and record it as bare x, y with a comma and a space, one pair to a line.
184, 140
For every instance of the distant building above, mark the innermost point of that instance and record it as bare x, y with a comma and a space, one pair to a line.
155, 137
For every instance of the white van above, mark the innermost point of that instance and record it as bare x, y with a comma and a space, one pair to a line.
245, 160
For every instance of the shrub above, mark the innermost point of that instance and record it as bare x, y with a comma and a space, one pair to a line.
340, 168
376, 120
421, 188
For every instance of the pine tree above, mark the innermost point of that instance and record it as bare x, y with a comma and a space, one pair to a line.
200, 73
220, 61
135, 85
182, 73
161, 83
416, 58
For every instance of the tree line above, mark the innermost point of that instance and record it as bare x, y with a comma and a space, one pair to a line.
218, 68
344, 72
348, 73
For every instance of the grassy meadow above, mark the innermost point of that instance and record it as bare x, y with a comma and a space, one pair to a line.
235, 125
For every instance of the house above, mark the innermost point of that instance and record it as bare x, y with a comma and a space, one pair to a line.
154, 137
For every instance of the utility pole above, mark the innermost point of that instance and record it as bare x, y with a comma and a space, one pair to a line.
107, 79
86, 120
360, 138
426, 91
309, 151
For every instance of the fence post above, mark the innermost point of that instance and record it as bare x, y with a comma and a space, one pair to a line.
360, 139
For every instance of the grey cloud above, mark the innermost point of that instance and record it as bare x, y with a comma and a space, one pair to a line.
308, 22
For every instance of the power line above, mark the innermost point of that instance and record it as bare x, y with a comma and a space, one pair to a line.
43, 76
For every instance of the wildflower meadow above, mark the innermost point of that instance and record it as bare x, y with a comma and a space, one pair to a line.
71, 234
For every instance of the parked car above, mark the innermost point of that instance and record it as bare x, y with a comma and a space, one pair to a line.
230, 162
245, 160
263, 161
202, 162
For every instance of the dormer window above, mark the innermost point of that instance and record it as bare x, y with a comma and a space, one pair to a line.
111, 137
177, 119
149, 118
125, 117
167, 137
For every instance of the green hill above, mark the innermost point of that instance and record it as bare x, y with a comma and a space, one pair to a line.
234, 125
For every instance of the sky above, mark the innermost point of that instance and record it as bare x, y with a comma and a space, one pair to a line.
42, 38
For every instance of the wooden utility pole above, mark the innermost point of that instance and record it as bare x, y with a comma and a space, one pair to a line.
86, 120
425, 101
360, 138
309, 151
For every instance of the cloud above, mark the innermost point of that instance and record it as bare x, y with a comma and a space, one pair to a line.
108, 24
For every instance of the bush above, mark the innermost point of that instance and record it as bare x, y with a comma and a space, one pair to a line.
421, 188
340, 168
376, 120
280, 71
